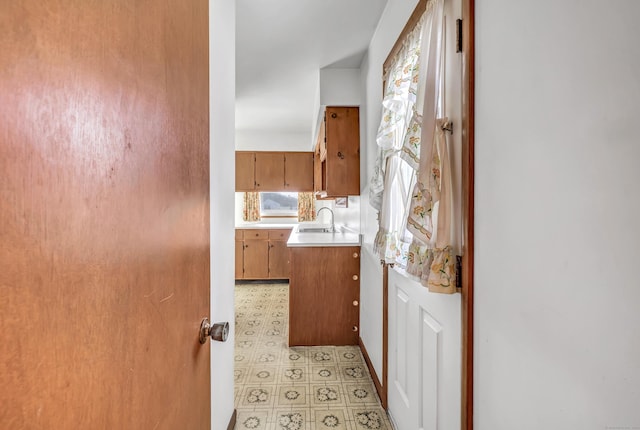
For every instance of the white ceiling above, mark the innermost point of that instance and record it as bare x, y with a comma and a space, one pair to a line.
280, 47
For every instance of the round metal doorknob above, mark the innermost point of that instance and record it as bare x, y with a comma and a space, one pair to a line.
355, 255
355, 303
217, 331
354, 328
355, 277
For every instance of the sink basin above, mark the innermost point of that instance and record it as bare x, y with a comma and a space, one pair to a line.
314, 230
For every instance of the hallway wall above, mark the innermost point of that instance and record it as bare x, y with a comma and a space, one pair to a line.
222, 101
557, 147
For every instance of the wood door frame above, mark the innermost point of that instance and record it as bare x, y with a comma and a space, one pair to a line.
468, 211
468, 151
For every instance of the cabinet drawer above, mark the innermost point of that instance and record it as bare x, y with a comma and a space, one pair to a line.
256, 234
279, 234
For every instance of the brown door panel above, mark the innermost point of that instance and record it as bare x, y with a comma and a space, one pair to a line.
104, 244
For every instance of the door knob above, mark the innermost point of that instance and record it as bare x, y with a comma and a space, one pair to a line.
355, 303
217, 331
355, 277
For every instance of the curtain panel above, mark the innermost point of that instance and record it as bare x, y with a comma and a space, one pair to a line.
398, 110
431, 256
251, 207
412, 184
306, 207
392, 179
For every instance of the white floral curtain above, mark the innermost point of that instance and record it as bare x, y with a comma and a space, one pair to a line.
392, 179
431, 255
412, 184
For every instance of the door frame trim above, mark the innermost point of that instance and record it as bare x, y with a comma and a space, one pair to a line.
468, 211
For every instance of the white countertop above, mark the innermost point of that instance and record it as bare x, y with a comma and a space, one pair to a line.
265, 226
342, 237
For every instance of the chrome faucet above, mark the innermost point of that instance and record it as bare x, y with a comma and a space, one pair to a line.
333, 226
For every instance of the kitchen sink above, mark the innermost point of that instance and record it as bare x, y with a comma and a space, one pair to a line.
314, 230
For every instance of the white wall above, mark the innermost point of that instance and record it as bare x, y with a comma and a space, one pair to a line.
391, 23
222, 167
557, 207
340, 87
267, 140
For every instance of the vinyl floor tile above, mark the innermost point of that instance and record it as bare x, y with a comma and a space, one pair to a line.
299, 388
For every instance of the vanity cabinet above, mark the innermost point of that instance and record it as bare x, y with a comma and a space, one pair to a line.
274, 171
262, 254
337, 153
324, 296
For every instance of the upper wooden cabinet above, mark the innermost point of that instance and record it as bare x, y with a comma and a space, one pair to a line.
274, 171
245, 171
337, 168
298, 171
269, 171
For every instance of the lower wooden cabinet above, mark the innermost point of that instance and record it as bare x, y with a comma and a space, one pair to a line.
324, 296
262, 254
278, 259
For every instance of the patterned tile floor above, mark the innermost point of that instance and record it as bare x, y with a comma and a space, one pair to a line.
300, 388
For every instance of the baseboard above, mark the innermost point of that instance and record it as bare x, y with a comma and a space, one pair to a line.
382, 392
232, 421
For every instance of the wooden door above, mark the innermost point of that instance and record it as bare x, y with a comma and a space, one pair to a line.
245, 171
269, 171
343, 151
104, 208
256, 259
298, 171
324, 296
278, 259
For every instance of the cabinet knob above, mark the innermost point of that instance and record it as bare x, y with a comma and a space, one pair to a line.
340, 155
334, 115
354, 328
257, 234
355, 303
354, 277
355, 255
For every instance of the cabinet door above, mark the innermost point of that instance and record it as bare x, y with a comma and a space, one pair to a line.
298, 171
343, 151
323, 296
239, 259
245, 173
278, 259
256, 259
269, 171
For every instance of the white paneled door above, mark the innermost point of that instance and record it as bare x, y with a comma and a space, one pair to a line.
424, 356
